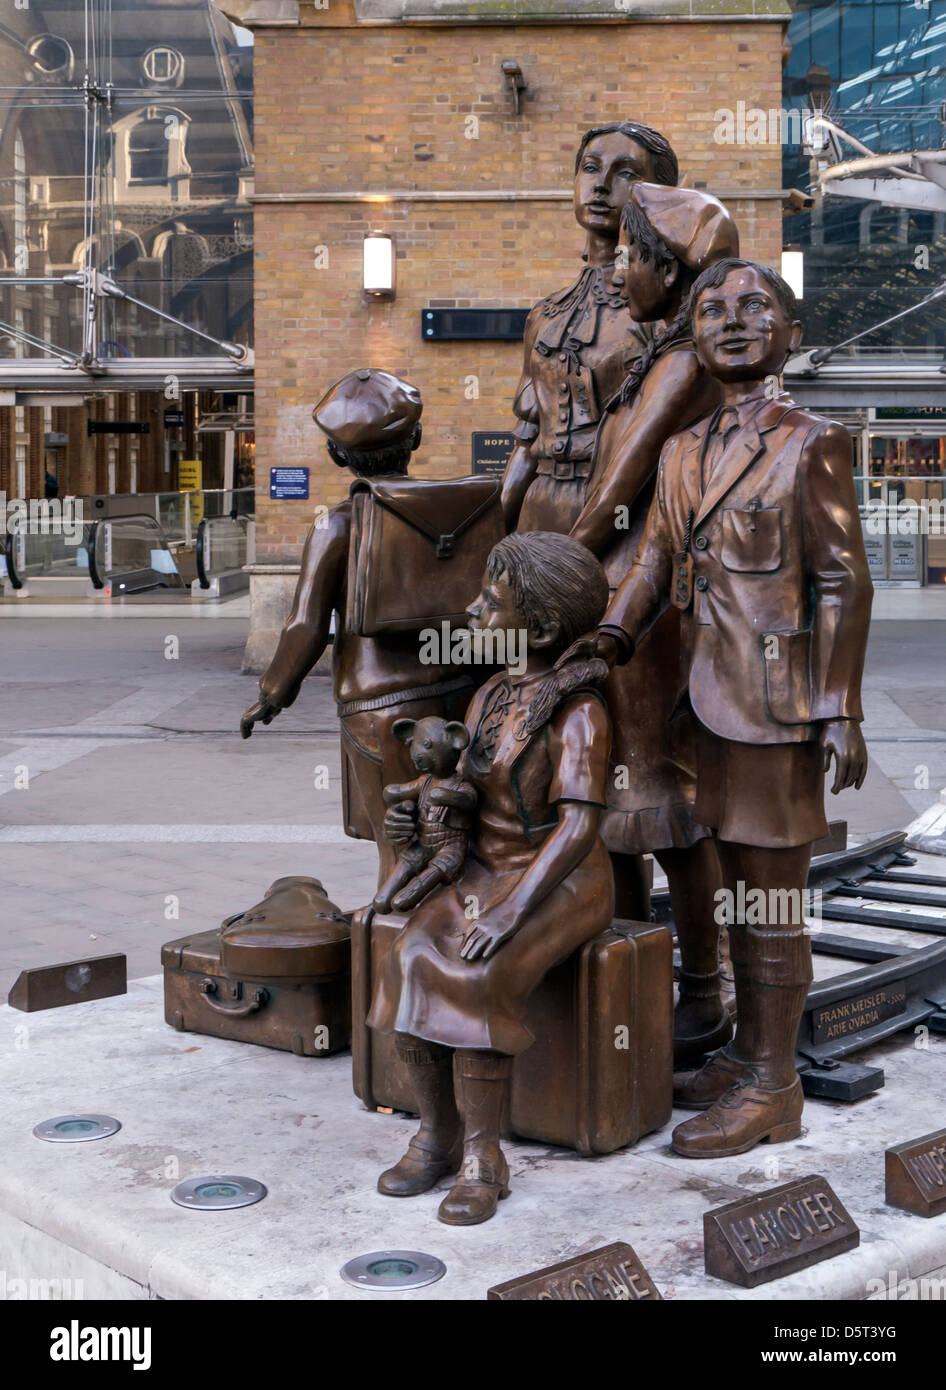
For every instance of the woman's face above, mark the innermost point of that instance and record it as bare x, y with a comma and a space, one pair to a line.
645, 287
610, 166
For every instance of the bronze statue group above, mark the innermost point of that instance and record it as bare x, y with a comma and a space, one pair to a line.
684, 553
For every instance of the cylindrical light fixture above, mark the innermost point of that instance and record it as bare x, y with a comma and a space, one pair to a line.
379, 263
793, 270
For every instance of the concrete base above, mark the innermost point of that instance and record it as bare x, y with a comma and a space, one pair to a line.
189, 1105
221, 586
271, 592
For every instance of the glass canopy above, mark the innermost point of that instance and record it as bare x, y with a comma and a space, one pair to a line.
126, 168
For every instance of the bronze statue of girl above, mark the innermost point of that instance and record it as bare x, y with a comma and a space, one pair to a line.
536, 883
579, 343
668, 236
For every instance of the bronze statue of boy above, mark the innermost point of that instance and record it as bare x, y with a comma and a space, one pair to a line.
754, 535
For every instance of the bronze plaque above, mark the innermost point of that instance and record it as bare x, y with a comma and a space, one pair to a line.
611, 1274
916, 1175
72, 982
847, 1016
756, 1239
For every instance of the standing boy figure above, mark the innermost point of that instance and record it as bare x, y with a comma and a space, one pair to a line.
754, 534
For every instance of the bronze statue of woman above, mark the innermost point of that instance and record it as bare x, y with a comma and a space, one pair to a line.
579, 342
536, 883
668, 235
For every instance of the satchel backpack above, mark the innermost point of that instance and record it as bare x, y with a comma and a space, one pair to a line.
418, 550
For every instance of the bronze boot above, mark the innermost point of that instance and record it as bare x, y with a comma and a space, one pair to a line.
481, 1080
768, 1103
436, 1148
698, 1090
746, 1114
701, 1021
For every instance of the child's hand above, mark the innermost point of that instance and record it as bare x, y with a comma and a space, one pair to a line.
399, 823
842, 739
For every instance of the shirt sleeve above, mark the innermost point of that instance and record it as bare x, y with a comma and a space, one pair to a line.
579, 746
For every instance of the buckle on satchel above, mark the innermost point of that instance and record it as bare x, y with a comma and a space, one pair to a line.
444, 547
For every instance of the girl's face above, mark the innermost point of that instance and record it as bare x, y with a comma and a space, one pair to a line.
610, 166
645, 287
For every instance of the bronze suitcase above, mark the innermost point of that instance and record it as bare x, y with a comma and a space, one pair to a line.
600, 1072
278, 974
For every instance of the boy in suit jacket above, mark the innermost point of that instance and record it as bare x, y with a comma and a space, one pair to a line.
754, 534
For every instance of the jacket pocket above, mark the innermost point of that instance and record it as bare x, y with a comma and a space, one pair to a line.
752, 539
786, 660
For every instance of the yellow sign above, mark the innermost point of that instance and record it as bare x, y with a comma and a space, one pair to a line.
190, 478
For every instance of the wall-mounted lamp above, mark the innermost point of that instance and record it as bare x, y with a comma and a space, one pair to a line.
515, 80
379, 266
793, 271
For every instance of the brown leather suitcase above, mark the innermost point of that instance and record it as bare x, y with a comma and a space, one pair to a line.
278, 974
418, 550
600, 1072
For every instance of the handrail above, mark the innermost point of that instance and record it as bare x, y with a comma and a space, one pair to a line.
9, 554
199, 554
97, 581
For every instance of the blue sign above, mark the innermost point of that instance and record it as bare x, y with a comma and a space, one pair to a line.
289, 484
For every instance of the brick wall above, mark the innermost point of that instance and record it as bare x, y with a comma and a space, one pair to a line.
381, 109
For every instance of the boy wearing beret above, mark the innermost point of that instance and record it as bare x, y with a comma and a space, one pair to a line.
372, 423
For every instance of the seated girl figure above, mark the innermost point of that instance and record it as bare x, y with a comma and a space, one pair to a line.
536, 883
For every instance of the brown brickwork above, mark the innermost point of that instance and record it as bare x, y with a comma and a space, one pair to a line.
386, 109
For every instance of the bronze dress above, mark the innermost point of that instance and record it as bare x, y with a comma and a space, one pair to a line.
426, 989
579, 345
652, 778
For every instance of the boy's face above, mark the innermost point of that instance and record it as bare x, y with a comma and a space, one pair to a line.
741, 331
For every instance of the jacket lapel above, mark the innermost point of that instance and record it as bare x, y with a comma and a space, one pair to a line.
744, 447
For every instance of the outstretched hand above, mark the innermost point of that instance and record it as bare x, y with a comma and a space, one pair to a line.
263, 712
842, 739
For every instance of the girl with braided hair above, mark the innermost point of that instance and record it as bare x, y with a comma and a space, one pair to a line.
455, 984
668, 235
579, 342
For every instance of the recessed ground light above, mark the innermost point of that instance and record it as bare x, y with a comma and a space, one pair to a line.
76, 1129
218, 1193
393, 1270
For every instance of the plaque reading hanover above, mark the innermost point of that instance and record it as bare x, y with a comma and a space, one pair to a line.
611, 1274
916, 1175
757, 1239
